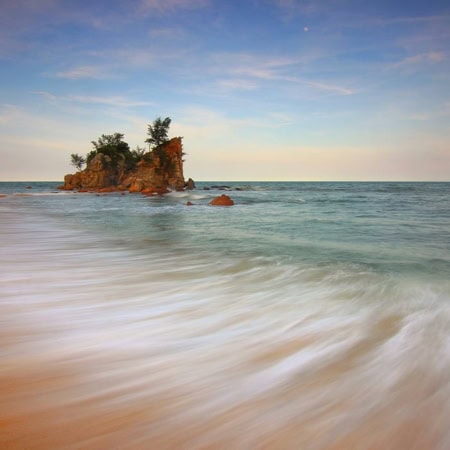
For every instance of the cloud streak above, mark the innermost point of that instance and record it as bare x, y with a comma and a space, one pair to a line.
116, 101
84, 72
150, 7
249, 71
421, 59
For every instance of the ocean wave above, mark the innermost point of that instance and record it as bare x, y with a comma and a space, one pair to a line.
266, 325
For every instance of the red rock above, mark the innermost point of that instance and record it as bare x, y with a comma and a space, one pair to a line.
189, 204
162, 190
149, 172
137, 187
222, 200
148, 191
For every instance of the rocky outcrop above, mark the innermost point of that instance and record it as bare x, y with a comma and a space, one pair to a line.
156, 172
190, 184
98, 175
222, 200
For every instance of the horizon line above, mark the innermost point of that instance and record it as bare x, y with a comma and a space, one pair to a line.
266, 181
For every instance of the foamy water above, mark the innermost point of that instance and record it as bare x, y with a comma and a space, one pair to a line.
312, 316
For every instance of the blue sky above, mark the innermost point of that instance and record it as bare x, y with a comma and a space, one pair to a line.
259, 89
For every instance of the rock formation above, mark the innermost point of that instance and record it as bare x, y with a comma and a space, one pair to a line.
222, 200
190, 184
156, 172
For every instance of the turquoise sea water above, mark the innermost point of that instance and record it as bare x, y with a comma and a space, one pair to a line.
308, 315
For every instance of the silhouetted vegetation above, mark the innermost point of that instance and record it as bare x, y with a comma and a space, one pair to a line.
138, 153
113, 146
77, 161
118, 151
158, 132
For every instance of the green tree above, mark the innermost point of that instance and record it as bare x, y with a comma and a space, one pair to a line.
113, 146
158, 132
108, 142
138, 153
77, 161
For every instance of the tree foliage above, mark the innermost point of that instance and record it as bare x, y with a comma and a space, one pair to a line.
158, 132
138, 153
110, 140
113, 146
77, 161
119, 153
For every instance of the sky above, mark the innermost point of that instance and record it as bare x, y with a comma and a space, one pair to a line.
258, 89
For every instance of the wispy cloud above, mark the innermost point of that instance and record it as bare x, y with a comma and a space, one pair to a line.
382, 21
281, 118
169, 6
84, 72
143, 57
167, 32
116, 61
112, 101
335, 89
247, 71
293, 8
244, 69
421, 59
236, 84
116, 101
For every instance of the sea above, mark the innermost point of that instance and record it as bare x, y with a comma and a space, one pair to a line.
309, 316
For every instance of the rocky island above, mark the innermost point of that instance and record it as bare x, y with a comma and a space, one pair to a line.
113, 166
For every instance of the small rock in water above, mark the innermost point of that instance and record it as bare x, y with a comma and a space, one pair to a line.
222, 200
190, 185
221, 187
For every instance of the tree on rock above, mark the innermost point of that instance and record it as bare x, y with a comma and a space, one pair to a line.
108, 142
113, 146
158, 132
138, 153
77, 161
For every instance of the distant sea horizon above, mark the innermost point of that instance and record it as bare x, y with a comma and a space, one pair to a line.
263, 181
